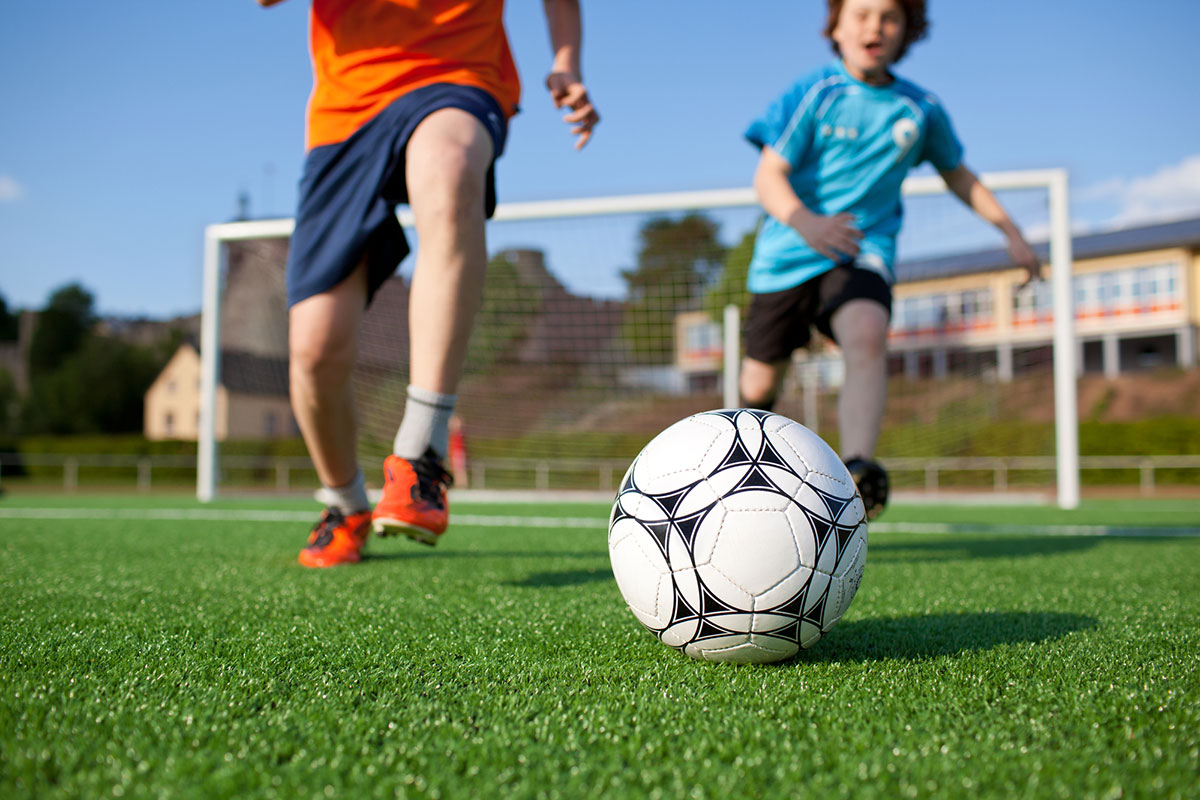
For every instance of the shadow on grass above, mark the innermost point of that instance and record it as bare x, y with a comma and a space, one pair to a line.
420, 553
573, 577
933, 635
971, 547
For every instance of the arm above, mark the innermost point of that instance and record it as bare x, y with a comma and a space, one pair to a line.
564, 81
268, 3
967, 187
834, 237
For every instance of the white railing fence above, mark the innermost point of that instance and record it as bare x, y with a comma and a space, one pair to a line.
294, 474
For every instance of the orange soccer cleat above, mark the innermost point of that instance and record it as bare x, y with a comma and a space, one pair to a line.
414, 498
337, 539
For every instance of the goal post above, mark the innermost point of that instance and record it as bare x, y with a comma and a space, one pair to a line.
1066, 415
574, 230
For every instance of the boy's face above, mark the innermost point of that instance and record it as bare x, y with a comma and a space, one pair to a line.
869, 34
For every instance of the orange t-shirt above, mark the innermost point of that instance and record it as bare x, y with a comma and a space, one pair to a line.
366, 53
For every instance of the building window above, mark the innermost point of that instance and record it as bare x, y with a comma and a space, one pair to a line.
1033, 302
976, 306
270, 423
169, 424
1083, 291
1145, 284
702, 339
1108, 290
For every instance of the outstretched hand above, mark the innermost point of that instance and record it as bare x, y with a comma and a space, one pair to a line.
834, 237
567, 91
1022, 255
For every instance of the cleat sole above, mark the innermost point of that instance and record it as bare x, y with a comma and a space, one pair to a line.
393, 527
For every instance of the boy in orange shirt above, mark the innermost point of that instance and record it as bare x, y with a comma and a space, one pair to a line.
410, 104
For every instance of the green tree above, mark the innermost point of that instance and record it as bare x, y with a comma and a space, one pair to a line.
510, 302
730, 287
677, 259
9, 405
98, 389
9, 322
61, 329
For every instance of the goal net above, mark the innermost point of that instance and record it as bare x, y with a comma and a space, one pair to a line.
604, 320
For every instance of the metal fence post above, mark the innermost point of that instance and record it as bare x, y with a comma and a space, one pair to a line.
1001, 473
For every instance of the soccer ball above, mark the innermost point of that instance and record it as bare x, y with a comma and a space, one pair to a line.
738, 535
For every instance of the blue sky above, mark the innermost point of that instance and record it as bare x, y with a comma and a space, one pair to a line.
130, 126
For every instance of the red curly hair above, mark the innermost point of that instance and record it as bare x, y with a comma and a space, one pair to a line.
916, 23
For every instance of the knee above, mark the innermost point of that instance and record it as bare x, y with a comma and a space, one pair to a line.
316, 358
869, 344
447, 182
757, 388
864, 337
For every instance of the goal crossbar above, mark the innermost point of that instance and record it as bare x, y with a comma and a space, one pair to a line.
1053, 181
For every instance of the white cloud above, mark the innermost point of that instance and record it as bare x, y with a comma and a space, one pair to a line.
1171, 191
10, 190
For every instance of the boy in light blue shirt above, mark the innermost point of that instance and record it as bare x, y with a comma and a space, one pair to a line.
835, 148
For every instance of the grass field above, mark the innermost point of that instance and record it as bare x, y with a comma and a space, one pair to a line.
160, 648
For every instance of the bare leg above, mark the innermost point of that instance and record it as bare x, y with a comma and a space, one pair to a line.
447, 161
759, 382
323, 341
861, 330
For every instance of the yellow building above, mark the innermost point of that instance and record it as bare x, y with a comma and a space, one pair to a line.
1137, 305
252, 398
1136, 294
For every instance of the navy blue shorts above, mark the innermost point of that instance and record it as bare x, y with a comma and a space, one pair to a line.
349, 192
779, 322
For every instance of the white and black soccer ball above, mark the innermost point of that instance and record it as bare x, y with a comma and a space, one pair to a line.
738, 535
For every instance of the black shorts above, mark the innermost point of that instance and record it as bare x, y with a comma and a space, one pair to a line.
779, 322
349, 192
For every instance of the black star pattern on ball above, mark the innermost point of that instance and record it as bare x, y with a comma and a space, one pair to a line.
708, 617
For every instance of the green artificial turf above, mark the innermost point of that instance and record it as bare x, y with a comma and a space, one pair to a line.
194, 658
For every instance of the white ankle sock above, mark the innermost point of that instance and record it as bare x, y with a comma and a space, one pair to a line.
351, 498
426, 423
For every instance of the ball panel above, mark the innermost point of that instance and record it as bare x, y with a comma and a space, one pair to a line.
687, 585
844, 588
822, 467
723, 592
855, 554
810, 634
680, 633
642, 574
755, 548
681, 455
759, 650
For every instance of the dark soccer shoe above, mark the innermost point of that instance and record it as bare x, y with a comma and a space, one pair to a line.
872, 482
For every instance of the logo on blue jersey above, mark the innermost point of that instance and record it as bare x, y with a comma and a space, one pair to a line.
904, 133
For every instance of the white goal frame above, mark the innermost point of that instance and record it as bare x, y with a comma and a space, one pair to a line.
1053, 181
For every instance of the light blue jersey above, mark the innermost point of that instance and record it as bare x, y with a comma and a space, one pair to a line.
850, 146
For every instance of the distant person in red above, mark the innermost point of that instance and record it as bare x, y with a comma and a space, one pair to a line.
410, 104
458, 451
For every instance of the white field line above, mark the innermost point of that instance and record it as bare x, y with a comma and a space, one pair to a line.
511, 521
252, 515
1033, 530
